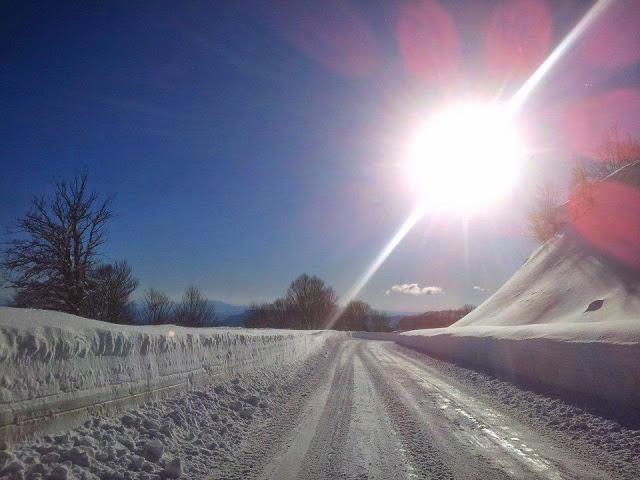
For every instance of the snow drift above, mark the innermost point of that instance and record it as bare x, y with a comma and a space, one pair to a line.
570, 317
56, 369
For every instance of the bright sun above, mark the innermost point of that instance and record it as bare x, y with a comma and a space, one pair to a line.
466, 157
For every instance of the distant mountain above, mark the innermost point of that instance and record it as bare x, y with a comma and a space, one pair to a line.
234, 320
224, 310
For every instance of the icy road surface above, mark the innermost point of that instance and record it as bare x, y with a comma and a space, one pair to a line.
382, 412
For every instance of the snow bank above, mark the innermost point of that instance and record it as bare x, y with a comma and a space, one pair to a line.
600, 361
570, 317
58, 369
213, 431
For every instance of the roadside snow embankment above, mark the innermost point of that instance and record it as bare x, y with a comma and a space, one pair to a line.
58, 369
600, 361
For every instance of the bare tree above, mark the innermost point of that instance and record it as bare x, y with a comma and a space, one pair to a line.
194, 310
281, 313
54, 247
544, 217
379, 322
109, 297
434, 319
581, 198
276, 314
311, 302
258, 315
354, 316
156, 307
617, 149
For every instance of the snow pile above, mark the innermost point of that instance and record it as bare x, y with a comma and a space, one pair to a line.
57, 369
570, 317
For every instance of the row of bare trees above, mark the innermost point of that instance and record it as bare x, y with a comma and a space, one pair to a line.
311, 304
193, 310
53, 261
551, 209
434, 319
308, 304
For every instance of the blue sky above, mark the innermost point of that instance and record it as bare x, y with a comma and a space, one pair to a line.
247, 142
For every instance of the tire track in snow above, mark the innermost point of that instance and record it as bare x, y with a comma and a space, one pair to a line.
413, 428
343, 432
263, 454
374, 448
464, 420
285, 459
327, 456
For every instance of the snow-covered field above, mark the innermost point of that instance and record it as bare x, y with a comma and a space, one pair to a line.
570, 317
56, 370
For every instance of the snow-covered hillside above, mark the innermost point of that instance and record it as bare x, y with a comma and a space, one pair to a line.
56, 369
588, 273
570, 317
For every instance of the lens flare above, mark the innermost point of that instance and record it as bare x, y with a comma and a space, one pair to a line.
441, 151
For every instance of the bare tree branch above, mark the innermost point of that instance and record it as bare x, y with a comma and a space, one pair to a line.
195, 310
617, 149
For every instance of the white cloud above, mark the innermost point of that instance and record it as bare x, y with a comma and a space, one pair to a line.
414, 289
480, 289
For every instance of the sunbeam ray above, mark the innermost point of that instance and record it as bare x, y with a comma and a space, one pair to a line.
408, 224
565, 45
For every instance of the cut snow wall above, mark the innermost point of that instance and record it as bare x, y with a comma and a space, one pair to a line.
597, 369
58, 369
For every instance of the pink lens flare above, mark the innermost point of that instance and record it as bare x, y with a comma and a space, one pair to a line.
585, 120
518, 38
338, 37
614, 40
429, 41
612, 224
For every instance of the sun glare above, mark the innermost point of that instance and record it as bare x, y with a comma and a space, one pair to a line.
465, 157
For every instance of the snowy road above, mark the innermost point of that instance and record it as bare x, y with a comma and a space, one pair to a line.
380, 413
353, 409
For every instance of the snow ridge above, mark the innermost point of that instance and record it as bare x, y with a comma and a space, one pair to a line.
56, 369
